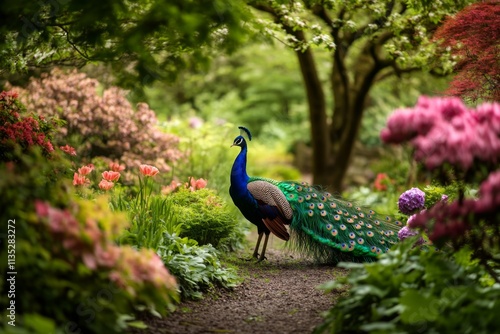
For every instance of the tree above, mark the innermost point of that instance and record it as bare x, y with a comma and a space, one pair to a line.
145, 40
474, 35
369, 41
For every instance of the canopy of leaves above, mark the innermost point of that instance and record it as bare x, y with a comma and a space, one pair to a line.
150, 39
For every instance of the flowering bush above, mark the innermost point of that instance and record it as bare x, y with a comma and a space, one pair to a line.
463, 145
104, 125
444, 130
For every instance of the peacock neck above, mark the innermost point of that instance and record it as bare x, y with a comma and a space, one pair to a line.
239, 176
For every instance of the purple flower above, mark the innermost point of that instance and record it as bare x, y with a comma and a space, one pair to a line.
444, 198
411, 201
406, 232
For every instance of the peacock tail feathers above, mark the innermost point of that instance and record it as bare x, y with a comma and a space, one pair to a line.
331, 229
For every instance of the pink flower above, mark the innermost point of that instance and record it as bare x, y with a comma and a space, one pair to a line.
106, 185
80, 180
85, 170
68, 149
173, 186
197, 184
116, 167
148, 170
110, 176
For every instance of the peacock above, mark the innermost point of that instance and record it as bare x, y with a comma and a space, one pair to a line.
324, 226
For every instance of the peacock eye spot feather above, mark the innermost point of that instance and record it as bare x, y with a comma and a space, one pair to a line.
361, 215
291, 196
387, 219
368, 225
299, 188
350, 220
371, 212
342, 227
370, 216
300, 199
329, 227
370, 234
398, 223
336, 217
308, 197
323, 213
321, 206
343, 246
311, 206
327, 194
323, 198
354, 217
352, 242
346, 213
358, 208
303, 183
361, 241
379, 251
376, 222
349, 204
352, 235
333, 205
373, 249
310, 213
357, 226
334, 233
314, 195
350, 248
361, 223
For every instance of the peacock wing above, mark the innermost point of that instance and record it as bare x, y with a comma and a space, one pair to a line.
273, 206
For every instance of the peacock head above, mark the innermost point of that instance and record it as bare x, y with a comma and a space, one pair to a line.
242, 138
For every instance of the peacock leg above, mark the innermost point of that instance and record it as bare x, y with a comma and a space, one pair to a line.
256, 250
263, 254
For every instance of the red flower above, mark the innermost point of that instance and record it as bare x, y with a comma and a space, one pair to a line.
381, 181
148, 170
197, 184
110, 176
68, 149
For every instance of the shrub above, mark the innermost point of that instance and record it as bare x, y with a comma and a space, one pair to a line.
71, 274
101, 125
197, 267
410, 291
206, 218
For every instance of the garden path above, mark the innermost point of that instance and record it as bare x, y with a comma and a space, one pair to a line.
279, 295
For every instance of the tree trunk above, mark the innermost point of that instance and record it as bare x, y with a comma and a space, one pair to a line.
317, 113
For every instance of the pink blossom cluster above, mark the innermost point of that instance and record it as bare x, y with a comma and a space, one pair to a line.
192, 185
444, 130
26, 131
85, 239
107, 124
452, 220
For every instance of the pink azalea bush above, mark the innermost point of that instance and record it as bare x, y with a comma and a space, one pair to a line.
107, 125
87, 230
444, 130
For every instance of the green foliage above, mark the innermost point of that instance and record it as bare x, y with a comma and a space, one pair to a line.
143, 41
411, 290
206, 218
78, 277
197, 268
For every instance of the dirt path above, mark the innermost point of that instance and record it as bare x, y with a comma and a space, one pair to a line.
277, 296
